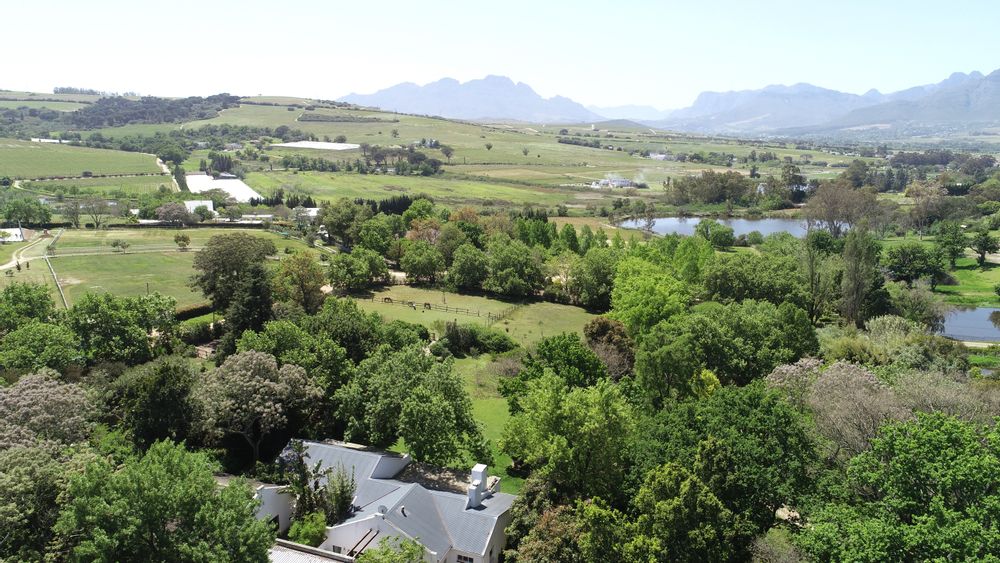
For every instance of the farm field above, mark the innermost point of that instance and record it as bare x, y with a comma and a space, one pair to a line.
331, 186
27, 160
124, 185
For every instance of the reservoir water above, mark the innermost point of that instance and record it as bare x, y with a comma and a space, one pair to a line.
740, 226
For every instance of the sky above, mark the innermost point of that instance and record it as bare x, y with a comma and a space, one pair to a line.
658, 53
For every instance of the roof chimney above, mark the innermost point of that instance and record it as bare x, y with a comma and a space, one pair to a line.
477, 488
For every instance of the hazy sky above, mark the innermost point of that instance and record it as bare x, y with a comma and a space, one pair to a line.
660, 53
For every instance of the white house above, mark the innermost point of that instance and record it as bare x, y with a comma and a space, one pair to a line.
453, 527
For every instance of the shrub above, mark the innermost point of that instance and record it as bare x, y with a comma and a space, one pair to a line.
472, 339
310, 530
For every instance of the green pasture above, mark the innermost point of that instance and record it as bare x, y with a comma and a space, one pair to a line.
528, 323
24, 159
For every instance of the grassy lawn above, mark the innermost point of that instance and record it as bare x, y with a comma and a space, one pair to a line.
975, 285
128, 275
490, 410
24, 159
526, 325
116, 187
152, 258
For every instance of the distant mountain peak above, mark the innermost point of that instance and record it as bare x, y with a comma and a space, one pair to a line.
490, 97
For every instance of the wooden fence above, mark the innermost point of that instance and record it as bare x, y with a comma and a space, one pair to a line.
490, 316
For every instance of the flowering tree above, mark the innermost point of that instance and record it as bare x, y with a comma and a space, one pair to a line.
251, 397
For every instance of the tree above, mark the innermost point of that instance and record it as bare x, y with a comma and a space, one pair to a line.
721, 236
97, 209
21, 302
447, 152
203, 213
404, 394
342, 321
449, 238
249, 309
768, 277
154, 402
357, 270
300, 279
114, 329
982, 243
376, 234
950, 241
837, 205
565, 356
609, 340
422, 261
174, 212
32, 478
644, 295
249, 396
164, 506
591, 278
182, 241
524, 151
681, 519
38, 408
861, 254
224, 261
393, 550
73, 211
738, 343
512, 269
751, 448
37, 345
573, 437
926, 490
468, 268
489, 146
913, 261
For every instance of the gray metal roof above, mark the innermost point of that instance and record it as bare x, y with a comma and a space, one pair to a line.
438, 519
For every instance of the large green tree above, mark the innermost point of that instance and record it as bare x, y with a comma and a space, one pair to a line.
300, 279
37, 345
926, 490
164, 506
950, 240
577, 438
224, 261
408, 394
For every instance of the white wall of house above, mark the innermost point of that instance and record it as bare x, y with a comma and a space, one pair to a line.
275, 503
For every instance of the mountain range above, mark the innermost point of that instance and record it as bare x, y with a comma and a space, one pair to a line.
490, 98
961, 102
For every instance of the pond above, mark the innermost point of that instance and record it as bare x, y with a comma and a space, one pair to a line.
740, 226
976, 323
